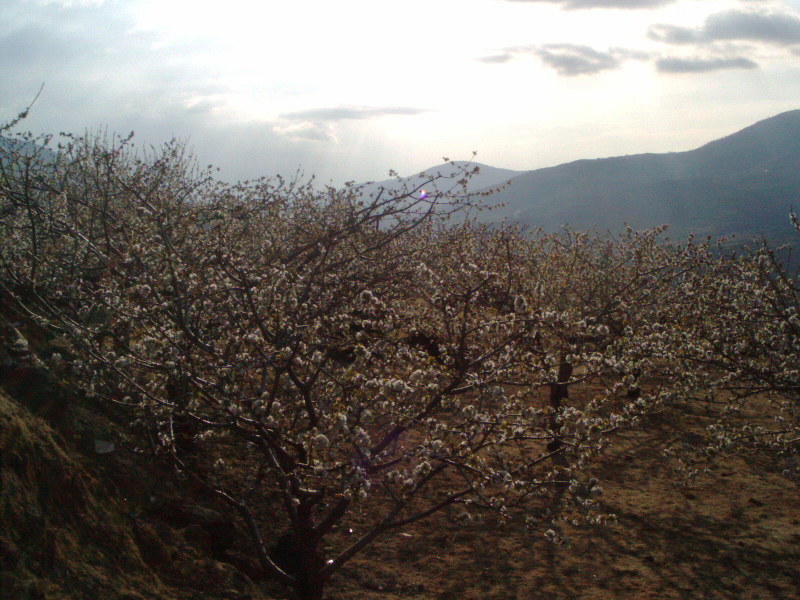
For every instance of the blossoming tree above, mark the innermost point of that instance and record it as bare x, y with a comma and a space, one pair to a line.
311, 355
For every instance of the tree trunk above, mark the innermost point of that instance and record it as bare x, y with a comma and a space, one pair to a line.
299, 556
309, 587
558, 391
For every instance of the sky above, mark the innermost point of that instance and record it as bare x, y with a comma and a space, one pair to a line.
347, 90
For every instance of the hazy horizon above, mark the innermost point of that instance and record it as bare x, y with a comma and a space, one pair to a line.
347, 91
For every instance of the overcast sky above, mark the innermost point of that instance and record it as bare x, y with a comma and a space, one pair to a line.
349, 89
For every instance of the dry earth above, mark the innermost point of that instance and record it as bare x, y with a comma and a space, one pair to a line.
78, 525
735, 533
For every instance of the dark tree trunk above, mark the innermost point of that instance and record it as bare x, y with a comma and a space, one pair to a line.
558, 391
299, 556
309, 587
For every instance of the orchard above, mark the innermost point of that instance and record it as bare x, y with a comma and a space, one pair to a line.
310, 355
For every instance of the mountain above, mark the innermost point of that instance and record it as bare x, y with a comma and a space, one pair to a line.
11, 145
743, 185
451, 172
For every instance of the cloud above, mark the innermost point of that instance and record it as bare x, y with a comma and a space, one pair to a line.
110, 72
579, 4
777, 28
570, 59
497, 58
772, 27
317, 124
673, 34
104, 72
120, 78
573, 59
342, 113
315, 132
702, 65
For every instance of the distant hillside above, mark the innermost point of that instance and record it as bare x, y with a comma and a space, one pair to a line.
742, 184
487, 177
25, 148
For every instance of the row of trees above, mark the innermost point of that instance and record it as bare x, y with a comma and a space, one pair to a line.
312, 356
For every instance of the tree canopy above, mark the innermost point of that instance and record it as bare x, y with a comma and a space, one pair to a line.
310, 354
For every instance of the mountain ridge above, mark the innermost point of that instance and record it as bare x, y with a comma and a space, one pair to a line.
743, 184
487, 177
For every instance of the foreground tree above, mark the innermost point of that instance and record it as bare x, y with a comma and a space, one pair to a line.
735, 339
331, 358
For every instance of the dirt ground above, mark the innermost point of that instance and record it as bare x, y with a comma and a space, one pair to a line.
735, 533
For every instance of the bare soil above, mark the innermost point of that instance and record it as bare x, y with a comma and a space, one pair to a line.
78, 525
734, 533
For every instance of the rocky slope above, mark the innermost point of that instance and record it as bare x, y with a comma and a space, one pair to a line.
83, 518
